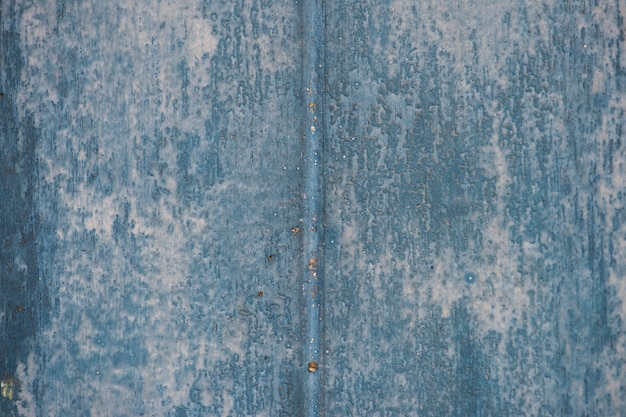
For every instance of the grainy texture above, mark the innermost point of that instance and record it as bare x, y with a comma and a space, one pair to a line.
166, 184
24, 304
480, 138
152, 225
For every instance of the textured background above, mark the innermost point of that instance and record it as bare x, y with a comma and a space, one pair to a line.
477, 138
475, 180
155, 149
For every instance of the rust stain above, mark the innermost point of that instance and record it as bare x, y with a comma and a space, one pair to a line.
313, 264
9, 387
312, 366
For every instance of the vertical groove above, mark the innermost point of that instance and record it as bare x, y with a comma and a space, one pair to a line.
313, 136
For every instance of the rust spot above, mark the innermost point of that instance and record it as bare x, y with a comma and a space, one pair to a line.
259, 294
313, 263
312, 366
9, 388
295, 230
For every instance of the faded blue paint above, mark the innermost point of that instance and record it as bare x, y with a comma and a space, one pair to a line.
166, 176
165, 204
484, 138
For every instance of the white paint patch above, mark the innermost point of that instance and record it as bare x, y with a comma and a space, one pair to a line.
200, 41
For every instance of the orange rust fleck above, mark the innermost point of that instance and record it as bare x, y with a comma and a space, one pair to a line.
312, 366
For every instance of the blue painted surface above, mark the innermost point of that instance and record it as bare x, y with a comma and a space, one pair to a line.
485, 138
165, 204
313, 126
166, 179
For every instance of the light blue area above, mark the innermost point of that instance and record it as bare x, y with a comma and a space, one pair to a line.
179, 179
167, 183
484, 138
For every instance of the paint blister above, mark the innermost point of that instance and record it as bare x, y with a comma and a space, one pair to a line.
470, 277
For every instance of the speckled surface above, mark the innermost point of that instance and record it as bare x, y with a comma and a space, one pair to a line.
480, 138
166, 177
153, 217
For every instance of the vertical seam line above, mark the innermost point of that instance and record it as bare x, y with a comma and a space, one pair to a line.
312, 199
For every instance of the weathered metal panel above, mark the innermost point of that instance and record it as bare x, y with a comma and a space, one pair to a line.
163, 186
187, 186
313, 126
475, 221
